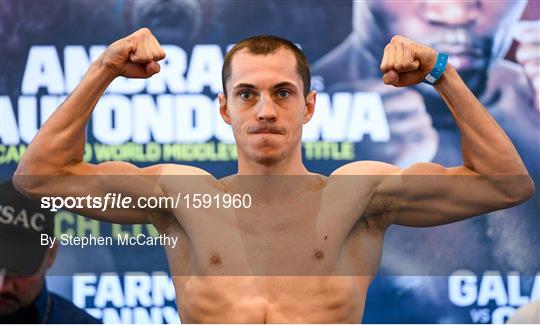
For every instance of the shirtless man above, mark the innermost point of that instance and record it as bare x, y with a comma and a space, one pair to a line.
308, 247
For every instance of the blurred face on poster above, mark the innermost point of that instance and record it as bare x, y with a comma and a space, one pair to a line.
472, 32
176, 21
265, 105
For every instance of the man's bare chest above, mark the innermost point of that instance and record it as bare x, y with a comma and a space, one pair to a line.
311, 233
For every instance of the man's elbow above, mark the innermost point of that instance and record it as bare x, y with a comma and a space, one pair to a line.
32, 182
27, 185
519, 190
529, 188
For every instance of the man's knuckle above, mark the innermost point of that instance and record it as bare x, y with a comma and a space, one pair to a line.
132, 38
136, 39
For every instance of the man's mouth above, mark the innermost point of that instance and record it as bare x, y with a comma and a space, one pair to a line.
7, 299
267, 132
272, 130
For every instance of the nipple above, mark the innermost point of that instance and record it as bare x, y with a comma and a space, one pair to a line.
319, 255
215, 259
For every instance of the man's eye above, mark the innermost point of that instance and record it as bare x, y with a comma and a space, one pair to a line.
246, 95
283, 93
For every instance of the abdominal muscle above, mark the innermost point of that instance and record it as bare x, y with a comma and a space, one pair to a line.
271, 299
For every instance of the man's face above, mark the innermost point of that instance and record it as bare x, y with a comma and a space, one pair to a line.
17, 292
467, 30
265, 105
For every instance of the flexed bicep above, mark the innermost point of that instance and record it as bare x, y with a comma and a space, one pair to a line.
109, 191
427, 194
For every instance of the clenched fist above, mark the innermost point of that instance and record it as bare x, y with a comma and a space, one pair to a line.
134, 56
406, 62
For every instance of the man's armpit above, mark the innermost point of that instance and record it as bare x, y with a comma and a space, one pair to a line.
377, 216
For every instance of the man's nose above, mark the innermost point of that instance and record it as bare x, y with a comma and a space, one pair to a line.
266, 110
458, 13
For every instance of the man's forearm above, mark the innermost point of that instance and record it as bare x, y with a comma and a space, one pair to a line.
486, 148
60, 141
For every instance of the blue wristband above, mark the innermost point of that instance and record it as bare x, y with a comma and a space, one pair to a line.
432, 77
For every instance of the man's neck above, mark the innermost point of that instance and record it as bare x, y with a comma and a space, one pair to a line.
292, 165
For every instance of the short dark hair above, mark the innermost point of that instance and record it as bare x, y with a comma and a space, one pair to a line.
263, 45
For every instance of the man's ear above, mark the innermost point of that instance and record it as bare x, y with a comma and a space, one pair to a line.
310, 106
223, 110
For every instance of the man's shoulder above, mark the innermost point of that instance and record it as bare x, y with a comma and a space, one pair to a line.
177, 169
64, 311
175, 177
366, 167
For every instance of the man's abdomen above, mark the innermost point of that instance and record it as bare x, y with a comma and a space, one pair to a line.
265, 299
